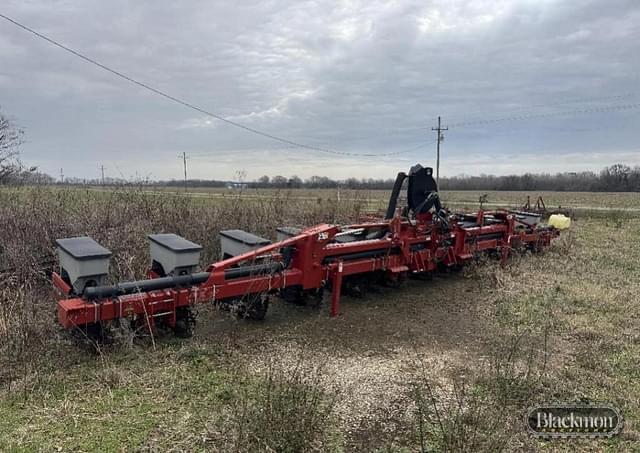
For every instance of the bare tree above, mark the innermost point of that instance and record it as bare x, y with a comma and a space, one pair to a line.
10, 139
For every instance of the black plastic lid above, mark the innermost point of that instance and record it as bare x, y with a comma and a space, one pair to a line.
174, 242
83, 248
244, 237
289, 230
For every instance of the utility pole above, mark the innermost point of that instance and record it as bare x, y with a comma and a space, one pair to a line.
102, 171
62, 176
184, 162
440, 139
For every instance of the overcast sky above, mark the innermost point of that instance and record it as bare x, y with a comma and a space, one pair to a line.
356, 76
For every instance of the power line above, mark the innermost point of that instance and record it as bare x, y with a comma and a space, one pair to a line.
523, 116
567, 130
471, 117
394, 153
185, 103
604, 109
527, 110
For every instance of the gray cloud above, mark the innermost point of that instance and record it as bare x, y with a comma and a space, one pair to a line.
363, 76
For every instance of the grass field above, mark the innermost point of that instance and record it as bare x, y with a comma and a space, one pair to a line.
376, 200
448, 364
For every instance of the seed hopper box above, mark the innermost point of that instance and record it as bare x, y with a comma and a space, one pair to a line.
237, 242
286, 232
84, 262
175, 254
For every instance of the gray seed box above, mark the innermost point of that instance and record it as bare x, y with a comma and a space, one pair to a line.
286, 232
175, 254
528, 217
84, 261
237, 242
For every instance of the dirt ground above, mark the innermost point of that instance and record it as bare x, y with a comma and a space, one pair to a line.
366, 351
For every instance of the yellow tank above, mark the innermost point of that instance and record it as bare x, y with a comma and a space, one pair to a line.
560, 221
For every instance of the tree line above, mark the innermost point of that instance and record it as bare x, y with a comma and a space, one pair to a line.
615, 178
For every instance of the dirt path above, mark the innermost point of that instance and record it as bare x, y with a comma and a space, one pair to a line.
367, 351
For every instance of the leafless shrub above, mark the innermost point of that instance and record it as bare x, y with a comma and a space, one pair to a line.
479, 409
565, 244
22, 335
284, 410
